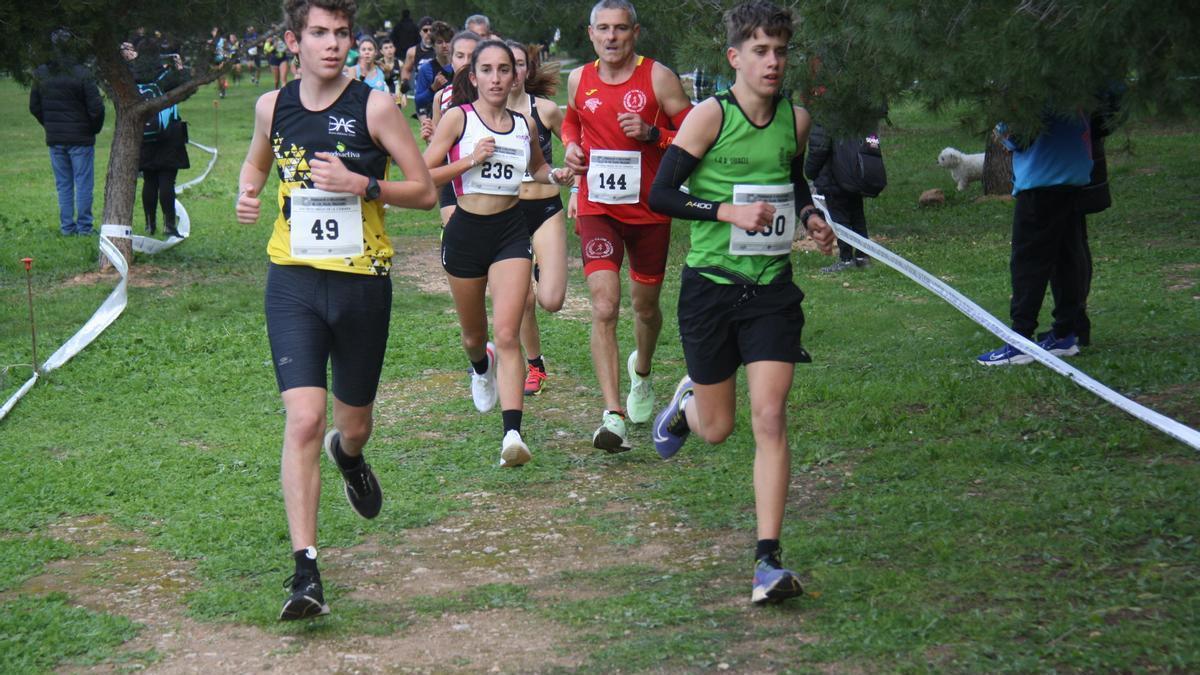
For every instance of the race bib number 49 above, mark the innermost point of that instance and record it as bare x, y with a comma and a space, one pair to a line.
614, 176
778, 239
326, 224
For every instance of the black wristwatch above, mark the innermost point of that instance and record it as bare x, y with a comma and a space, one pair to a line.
653, 135
372, 189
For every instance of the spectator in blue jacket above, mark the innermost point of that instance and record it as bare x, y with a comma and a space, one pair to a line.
435, 73
1048, 235
66, 102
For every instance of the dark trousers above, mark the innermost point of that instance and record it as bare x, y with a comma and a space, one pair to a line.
159, 186
847, 210
1049, 243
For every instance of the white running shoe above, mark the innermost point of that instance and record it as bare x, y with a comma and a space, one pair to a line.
483, 387
513, 451
610, 435
639, 405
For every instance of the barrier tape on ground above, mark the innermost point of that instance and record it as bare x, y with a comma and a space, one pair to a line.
1165, 424
115, 303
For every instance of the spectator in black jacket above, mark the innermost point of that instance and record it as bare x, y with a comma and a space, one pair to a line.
845, 207
164, 144
66, 102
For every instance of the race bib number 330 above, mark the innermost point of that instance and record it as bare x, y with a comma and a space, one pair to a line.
778, 239
326, 224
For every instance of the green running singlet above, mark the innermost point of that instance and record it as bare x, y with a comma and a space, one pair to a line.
743, 154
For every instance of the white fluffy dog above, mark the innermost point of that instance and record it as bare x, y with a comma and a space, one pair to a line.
963, 168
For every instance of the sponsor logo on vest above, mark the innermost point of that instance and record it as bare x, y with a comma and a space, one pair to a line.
635, 100
589, 92
592, 103
342, 126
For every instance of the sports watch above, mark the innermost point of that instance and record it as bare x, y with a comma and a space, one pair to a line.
372, 192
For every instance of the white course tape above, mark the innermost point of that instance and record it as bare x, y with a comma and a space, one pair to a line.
115, 303
1165, 424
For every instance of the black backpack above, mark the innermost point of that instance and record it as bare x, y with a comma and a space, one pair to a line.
858, 166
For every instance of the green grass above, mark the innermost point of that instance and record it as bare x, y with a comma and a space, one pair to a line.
945, 516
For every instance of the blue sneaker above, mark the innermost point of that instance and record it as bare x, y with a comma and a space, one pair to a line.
774, 583
1007, 355
666, 442
1060, 346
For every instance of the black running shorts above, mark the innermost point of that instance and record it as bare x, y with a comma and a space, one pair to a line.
723, 326
471, 243
446, 196
317, 318
538, 211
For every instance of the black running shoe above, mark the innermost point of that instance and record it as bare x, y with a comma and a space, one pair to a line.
362, 488
307, 601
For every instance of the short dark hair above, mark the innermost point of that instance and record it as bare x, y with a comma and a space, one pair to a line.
743, 20
424, 21
442, 31
295, 12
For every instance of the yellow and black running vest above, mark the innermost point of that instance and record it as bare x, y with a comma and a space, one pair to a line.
341, 129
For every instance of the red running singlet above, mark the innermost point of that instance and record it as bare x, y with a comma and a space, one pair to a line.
598, 104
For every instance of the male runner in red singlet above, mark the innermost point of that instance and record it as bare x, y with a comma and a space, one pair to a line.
622, 110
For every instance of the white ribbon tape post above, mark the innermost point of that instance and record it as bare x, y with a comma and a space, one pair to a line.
1180, 432
115, 303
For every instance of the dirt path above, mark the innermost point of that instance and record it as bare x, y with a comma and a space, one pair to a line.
515, 544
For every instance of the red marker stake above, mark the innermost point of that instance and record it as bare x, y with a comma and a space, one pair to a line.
32, 326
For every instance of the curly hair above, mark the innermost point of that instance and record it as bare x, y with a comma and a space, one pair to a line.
743, 20
295, 12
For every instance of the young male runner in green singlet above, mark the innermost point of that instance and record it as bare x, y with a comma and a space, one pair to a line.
743, 152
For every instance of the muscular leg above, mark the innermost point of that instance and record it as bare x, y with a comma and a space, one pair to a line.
472, 314
550, 245
769, 383
710, 410
605, 289
300, 473
531, 336
355, 424
509, 280
647, 322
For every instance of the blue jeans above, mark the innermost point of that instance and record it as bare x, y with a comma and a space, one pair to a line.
73, 176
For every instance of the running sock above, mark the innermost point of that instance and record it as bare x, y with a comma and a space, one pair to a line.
616, 411
480, 366
306, 559
512, 420
345, 462
538, 363
642, 375
768, 550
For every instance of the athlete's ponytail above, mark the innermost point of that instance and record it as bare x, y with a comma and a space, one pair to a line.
539, 80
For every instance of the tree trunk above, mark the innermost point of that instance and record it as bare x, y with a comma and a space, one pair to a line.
997, 168
120, 183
